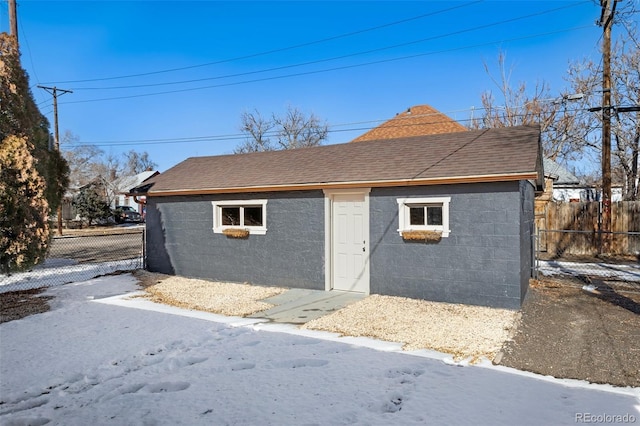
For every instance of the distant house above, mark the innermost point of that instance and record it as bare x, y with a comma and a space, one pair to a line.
115, 193
419, 120
122, 186
444, 217
565, 186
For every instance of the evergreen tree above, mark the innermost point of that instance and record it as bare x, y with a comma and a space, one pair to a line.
20, 116
32, 177
24, 228
91, 205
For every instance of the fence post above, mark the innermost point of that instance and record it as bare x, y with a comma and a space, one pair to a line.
536, 251
144, 248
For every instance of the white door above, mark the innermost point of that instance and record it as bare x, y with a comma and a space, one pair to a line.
350, 242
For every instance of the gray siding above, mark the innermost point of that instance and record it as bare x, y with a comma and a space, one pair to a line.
479, 263
180, 240
527, 224
486, 259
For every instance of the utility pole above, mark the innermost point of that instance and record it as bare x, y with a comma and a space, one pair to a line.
54, 92
13, 19
606, 21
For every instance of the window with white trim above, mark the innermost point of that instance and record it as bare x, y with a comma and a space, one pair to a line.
244, 214
424, 214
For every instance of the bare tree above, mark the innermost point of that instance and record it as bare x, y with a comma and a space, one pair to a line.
257, 129
295, 130
519, 105
585, 76
138, 162
84, 160
88, 162
292, 130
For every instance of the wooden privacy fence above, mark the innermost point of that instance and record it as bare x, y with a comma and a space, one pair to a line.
573, 228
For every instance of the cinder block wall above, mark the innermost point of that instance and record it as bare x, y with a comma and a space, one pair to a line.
480, 263
180, 241
527, 228
486, 260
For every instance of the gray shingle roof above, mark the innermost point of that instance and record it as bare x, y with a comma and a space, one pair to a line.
479, 155
563, 176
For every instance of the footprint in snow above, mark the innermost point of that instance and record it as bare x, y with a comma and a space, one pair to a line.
242, 366
28, 421
181, 362
301, 362
393, 404
403, 371
165, 387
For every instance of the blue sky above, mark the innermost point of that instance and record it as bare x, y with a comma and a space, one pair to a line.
353, 64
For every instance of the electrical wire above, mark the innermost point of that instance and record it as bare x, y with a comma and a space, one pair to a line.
480, 27
353, 126
324, 70
283, 49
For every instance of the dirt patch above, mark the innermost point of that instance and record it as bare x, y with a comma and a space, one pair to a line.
566, 331
16, 305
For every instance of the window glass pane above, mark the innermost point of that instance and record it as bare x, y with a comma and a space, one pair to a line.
416, 215
434, 215
230, 216
253, 216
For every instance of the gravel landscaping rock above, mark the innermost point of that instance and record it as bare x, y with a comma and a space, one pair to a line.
463, 331
220, 298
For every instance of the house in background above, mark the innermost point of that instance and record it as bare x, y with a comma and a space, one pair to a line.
565, 186
444, 217
115, 193
122, 186
419, 120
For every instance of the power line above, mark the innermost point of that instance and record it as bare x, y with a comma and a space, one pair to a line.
283, 49
327, 69
359, 126
480, 27
335, 57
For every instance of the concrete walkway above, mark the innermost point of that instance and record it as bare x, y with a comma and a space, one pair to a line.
298, 306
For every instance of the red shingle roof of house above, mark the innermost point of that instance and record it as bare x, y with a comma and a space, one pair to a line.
503, 154
418, 120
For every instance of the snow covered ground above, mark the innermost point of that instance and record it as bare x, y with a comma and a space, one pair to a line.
63, 271
98, 358
624, 272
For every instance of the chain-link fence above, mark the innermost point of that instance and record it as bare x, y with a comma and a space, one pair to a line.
79, 258
606, 255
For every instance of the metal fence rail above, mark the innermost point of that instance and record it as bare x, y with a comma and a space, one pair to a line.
79, 258
580, 253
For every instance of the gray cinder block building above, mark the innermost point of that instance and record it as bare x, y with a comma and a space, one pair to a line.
445, 217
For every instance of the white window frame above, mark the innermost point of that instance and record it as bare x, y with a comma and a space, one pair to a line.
404, 222
218, 227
